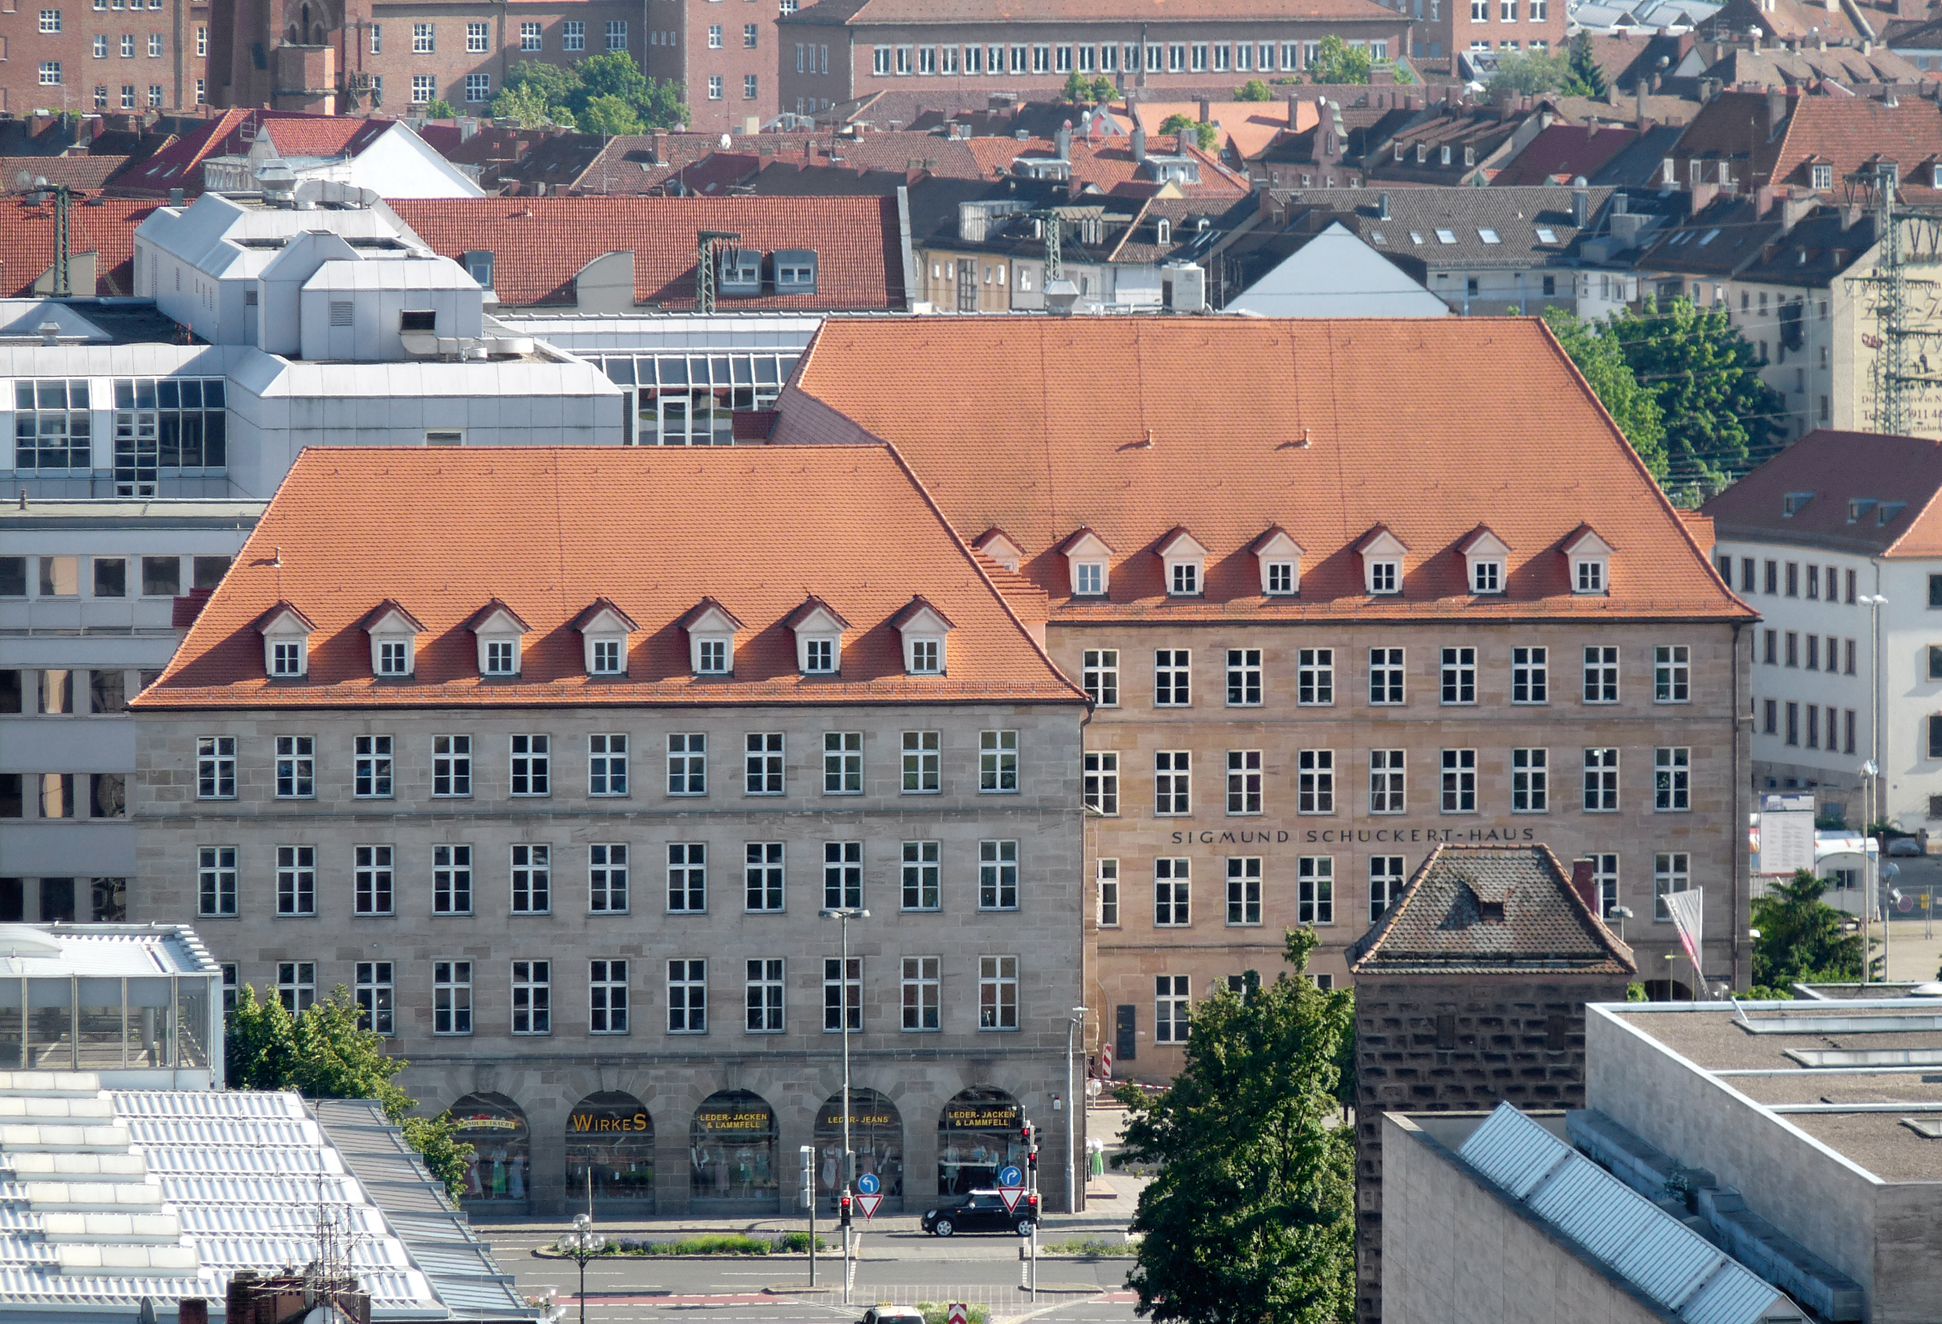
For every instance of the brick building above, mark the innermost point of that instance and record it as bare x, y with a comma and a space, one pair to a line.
840, 50
1470, 992
544, 782
82, 56
1445, 29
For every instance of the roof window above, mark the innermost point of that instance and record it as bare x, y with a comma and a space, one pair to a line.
1589, 558
604, 634
711, 631
1185, 563
1446, 236
1088, 564
1546, 235
925, 631
500, 634
478, 265
1489, 236
1279, 558
1859, 508
1793, 503
795, 271
286, 635
1382, 562
394, 635
740, 271
1000, 547
1484, 556
819, 629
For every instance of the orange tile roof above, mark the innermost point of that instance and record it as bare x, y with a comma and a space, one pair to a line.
104, 226
179, 165
1850, 133
317, 135
1839, 468
1250, 126
540, 244
1042, 426
548, 531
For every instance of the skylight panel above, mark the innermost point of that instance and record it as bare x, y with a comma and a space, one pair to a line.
1709, 237
1446, 236
1488, 236
1415, 237
1546, 235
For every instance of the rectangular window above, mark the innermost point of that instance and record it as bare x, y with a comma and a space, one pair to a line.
1793, 579
921, 989
1459, 781
1672, 673
762, 762
216, 767
997, 762
1385, 883
1099, 674
372, 880
606, 996
371, 778
1530, 781
997, 875
296, 881
1315, 889
1099, 782
1244, 677
451, 766
573, 35
762, 876
424, 88
1315, 677
296, 767
750, 86
1793, 648
1106, 874
1386, 781
478, 88
842, 763
422, 42
1671, 872
922, 876
1601, 674
842, 993
1672, 776
607, 878
1172, 1014
532, 765
997, 992
529, 37
687, 997
1172, 893
688, 764
1172, 782
607, 765
1244, 890
1530, 675
451, 880
532, 879
1459, 675
688, 877
532, 997
1172, 687
216, 882
616, 34
762, 995
1601, 781
922, 763
842, 875
476, 38
451, 997
377, 995
1386, 677
1315, 781
1604, 873
296, 985
1243, 781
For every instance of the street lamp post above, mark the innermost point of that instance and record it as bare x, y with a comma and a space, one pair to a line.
843, 915
581, 1245
1871, 772
1621, 914
1074, 1100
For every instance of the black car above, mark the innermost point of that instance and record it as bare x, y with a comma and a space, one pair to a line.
980, 1211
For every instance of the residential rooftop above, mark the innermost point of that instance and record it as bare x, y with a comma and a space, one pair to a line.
860, 13
1864, 492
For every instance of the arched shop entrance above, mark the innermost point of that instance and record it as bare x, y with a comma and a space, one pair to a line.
610, 1152
731, 1154
502, 1157
977, 1134
877, 1137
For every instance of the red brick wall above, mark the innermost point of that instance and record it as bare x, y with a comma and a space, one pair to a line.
1454, 29
733, 62
24, 48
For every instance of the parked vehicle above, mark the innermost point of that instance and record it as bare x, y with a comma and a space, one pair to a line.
1905, 846
980, 1211
892, 1315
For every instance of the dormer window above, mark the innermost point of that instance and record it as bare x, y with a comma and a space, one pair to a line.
604, 631
1589, 557
711, 631
286, 642
500, 634
1185, 561
1793, 503
1483, 556
1183, 579
1279, 557
999, 546
1088, 560
818, 629
1590, 577
924, 629
394, 640
501, 657
393, 657
818, 657
1382, 562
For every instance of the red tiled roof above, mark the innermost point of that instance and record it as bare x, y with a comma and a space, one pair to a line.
1564, 152
104, 226
179, 165
1839, 468
1130, 426
1108, 165
540, 244
318, 135
1849, 133
653, 531
77, 172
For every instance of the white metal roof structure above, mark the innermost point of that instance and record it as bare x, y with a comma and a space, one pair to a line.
112, 1197
1663, 1259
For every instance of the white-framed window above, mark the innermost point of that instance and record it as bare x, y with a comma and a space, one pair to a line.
842, 993
1173, 782
128, 46
1530, 675
1385, 883
1315, 889
687, 877
478, 87
922, 875
751, 86
923, 768
763, 993
997, 992
296, 881
1604, 873
606, 995
1088, 579
712, 657
762, 877
216, 888
1172, 683
101, 53
532, 879
451, 767
1106, 876
687, 763
842, 875
925, 656
377, 41
373, 880
1099, 676
50, 73
154, 45
1244, 890
394, 657
1099, 782
1386, 677
1589, 576
1385, 577
921, 991
50, 20
1530, 781
451, 879
687, 996
296, 767
1243, 782
616, 34
998, 875
1672, 673
1672, 777
607, 764
715, 44
1172, 1009
529, 37
424, 90
296, 985
715, 84
423, 41
371, 767
1671, 872
531, 760
215, 767
819, 657
477, 39
376, 991
1315, 677
842, 763
997, 762
1315, 781
532, 997
607, 880
1459, 781
1486, 576
1387, 781
289, 658
1172, 892
763, 763
573, 35
1601, 673
1243, 677
1601, 780
451, 997
1459, 676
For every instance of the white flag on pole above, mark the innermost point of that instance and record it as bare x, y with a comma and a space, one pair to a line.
1688, 916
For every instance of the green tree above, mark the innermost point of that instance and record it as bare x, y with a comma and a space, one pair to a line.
1103, 90
1601, 359
1338, 62
1585, 68
1802, 938
656, 103
1705, 376
609, 115
1206, 135
328, 1053
1253, 90
528, 108
1533, 73
1251, 1217
1078, 89
440, 109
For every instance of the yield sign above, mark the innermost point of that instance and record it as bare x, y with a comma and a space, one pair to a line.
869, 1204
1011, 1195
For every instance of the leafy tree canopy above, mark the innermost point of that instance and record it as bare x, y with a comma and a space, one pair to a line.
440, 109
1253, 90
1533, 73
1205, 135
1802, 938
1585, 69
1601, 359
609, 115
1338, 62
1251, 1218
606, 94
528, 108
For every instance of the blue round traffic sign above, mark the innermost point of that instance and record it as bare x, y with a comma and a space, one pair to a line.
868, 1184
1010, 1176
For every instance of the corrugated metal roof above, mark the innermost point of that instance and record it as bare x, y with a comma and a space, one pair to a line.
1666, 1261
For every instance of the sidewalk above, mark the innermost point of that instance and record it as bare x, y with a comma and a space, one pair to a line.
1913, 958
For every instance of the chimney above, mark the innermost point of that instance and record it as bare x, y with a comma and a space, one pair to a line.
1639, 93
1064, 141
1776, 112
1585, 883
192, 1310
1186, 141
1139, 143
1763, 200
1382, 206
1701, 197
1754, 34
1206, 112
1580, 204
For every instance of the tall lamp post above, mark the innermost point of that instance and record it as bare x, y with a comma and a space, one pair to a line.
1871, 808
1621, 914
1074, 1100
843, 915
581, 1245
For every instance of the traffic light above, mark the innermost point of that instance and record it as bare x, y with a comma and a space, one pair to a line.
844, 1209
1025, 1134
1031, 1205
1031, 1158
